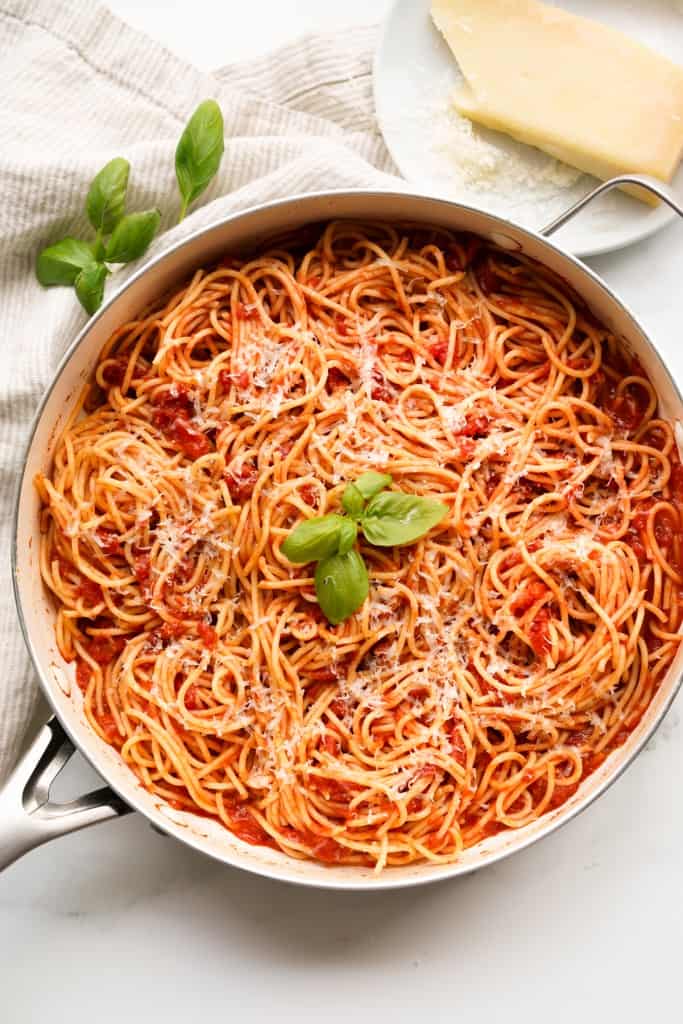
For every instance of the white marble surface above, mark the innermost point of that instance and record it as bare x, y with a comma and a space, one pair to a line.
118, 923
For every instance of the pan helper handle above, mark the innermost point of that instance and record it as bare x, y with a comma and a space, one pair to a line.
28, 818
657, 188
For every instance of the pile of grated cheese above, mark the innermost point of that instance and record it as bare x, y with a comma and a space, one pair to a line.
502, 170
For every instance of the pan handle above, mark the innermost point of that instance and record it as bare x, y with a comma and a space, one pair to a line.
28, 817
658, 189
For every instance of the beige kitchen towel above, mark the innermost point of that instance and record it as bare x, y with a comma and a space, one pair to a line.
78, 87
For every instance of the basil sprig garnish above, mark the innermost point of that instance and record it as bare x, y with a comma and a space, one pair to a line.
385, 518
122, 237
84, 264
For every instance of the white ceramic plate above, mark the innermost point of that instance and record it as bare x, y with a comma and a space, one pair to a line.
442, 152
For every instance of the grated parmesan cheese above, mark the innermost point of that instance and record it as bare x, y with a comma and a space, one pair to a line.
478, 161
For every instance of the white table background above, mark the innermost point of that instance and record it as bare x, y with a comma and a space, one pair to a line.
118, 923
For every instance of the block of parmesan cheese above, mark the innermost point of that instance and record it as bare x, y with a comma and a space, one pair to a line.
581, 91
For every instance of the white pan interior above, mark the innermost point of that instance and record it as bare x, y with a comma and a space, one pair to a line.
57, 678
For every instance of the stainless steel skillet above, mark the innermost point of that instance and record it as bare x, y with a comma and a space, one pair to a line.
28, 817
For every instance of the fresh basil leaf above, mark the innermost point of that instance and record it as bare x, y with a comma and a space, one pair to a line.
313, 539
131, 236
371, 483
107, 195
90, 286
341, 585
353, 501
348, 531
199, 151
62, 262
393, 518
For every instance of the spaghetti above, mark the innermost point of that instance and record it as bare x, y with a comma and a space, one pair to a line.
495, 663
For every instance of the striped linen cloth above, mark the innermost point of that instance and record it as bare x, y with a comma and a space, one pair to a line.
79, 87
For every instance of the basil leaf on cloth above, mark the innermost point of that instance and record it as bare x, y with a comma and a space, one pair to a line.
107, 195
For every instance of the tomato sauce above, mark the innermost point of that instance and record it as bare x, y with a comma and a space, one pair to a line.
171, 402
192, 699
486, 276
90, 591
241, 480
632, 537
533, 592
241, 380
474, 426
142, 567
246, 312
327, 850
336, 378
338, 707
101, 649
244, 824
458, 748
379, 389
207, 634
464, 449
173, 412
83, 674
332, 790
331, 745
676, 481
114, 373
539, 632
439, 351
191, 441
107, 724
591, 761
104, 649
628, 408
172, 629
310, 495
461, 254
108, 541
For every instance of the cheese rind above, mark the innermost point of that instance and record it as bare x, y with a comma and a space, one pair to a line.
579, 90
